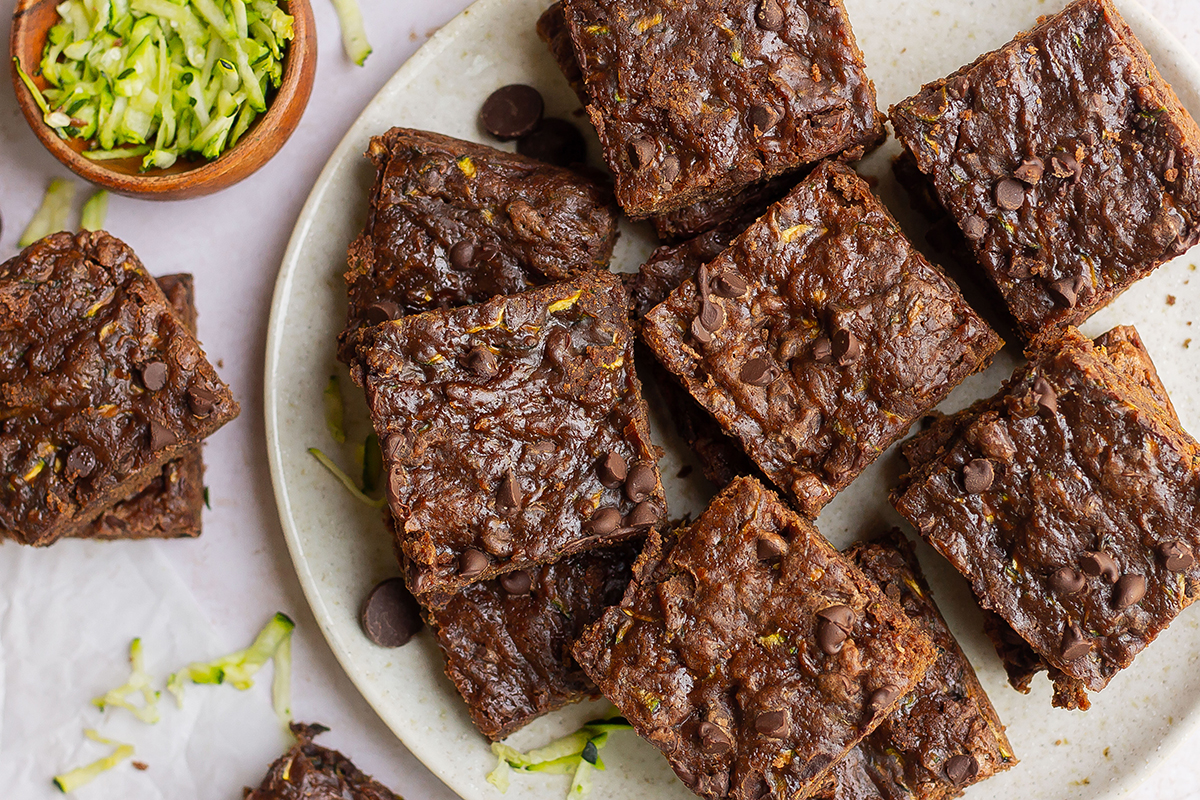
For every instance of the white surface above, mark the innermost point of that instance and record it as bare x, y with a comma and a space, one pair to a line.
238, 573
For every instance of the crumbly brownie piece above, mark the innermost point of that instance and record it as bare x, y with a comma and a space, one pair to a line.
311, 772
1021, 663
945, 735
172, 505
514, 432
1069, 502
819, 336
507, 640
102, 384
750, 652
454, 222
1067, 161
708, 101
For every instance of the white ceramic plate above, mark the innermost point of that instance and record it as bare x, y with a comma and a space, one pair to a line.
341, 549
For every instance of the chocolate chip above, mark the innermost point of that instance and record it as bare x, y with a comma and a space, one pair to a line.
702, 334
704, 281
846, 347
961, 768
764, 117
822, 350
842, 616
1176, 555
201, 401
757, 372
729, 284
640, 483
509, 494
1065, 580
640, 152
481, 361
81, 461
975, 227
612, 469
770, 546
161, 436
516, 583
830, 637
958, 87
1044, 394
472, 563
770, 15
644, 515
1100, 563
1030, 171
713, 740
712, 315
1010, 194
881, 699
603, 522
389, 616
556, 142
1064, 165
462, 254
512, 111
978, 475
381, 312
1066, 290
1129, 590
558, 346
1075, 645
668, 170
772, 724
154, 375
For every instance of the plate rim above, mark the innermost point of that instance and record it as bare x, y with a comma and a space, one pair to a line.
1136, 14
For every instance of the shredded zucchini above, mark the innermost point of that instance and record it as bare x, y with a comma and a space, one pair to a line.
335, 410
95, 212
137, 78
139, 681
346, 480
281, 681
51, 217
70, 781
577, 754
354, 32
238, 669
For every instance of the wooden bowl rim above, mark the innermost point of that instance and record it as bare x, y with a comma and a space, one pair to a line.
246, 157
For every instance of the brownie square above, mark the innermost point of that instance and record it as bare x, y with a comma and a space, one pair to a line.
751, 652
1069, 502
507, 640
454, 222
1067, 161
694, 103
172, 505
101, 382
945, 735
514, 432
308, 770
819, 336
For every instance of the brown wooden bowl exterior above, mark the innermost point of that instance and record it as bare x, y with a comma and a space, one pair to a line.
31, 24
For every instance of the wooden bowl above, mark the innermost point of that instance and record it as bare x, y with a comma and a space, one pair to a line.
31, 24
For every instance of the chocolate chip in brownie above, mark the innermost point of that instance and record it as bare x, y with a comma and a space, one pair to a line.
381, 312
770, 16
962, 768
161, 436
834, 624
1065, 580
1075, 645
1064, 165
974, 227
668, 170
1010, 194
640, 483
1066, 290
882, 698
764, 117
822, 350
472, 563
1129, 590
729, 284
712, 315
201, 401
1030, 171
772, 724
1100, 564
516, 583
713, 740
603, 521
644, 515
390, 616
1177, 556
509, 494
1044, 395
512, 111
640, 152
612, 470
81, 461
757, 372
154, 375
481, 361
770, 546
462, 254
978, 475
846, 347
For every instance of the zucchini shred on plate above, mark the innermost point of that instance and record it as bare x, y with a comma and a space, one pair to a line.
160, 79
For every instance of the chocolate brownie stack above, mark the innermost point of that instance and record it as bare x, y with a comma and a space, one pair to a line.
107, 396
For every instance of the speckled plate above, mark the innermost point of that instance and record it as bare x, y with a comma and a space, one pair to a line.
340, 547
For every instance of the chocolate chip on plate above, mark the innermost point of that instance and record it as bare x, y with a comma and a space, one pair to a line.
556, 142
1065, 580
757, 372
603, 522
770, 16
481, 361
516, 583
978, 475
1129, 590
1010, 194
161, 436
154, 375
512, 111
1177, 556
962, 768
472, 563
1100, 564
640, 483
770, 546
201, 401
462, 254
81, 461
1030, 171
389, 616
1075, 645
612, 469
974, 227
771, 723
